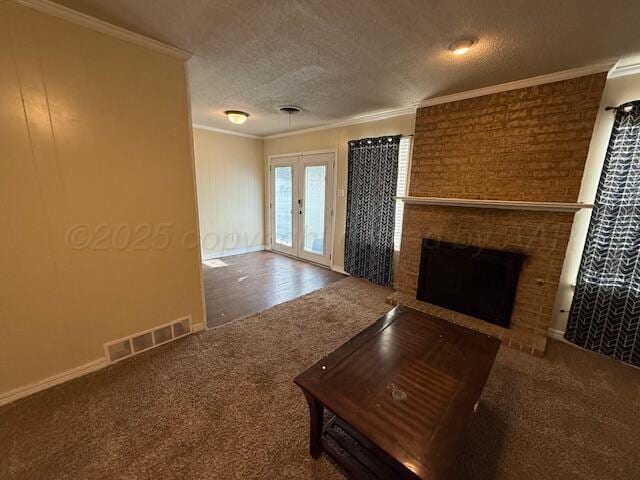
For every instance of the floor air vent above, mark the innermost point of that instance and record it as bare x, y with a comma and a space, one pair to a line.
143, 341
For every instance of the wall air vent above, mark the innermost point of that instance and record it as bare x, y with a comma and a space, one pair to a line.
142, 342
148, 339
119, 349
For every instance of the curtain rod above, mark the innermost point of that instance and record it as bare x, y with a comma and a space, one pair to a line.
625, 107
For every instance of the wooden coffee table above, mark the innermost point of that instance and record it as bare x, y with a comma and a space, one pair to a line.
401, 392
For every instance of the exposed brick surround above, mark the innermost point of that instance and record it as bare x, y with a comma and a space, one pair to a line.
528, 144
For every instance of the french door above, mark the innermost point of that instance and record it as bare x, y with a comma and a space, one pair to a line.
301, 205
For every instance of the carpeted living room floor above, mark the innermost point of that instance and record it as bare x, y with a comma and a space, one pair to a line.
222, 404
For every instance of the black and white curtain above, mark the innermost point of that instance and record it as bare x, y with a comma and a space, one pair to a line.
372, 181
605, 314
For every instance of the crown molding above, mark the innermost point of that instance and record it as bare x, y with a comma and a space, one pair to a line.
101, 26
364, 118
625, 67
524, 83
411, 109
504, 87
227, 132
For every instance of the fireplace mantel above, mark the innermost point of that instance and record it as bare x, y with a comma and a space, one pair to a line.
500, 204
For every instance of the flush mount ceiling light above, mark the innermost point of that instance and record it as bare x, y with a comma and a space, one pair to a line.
462, 46
236, 116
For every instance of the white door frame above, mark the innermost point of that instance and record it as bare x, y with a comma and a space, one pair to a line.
278, 159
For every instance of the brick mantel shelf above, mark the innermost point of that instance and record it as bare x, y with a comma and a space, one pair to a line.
500, 204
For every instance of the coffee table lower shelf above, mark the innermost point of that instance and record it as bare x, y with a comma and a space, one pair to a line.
358, 457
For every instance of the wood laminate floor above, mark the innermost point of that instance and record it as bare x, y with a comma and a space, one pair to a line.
241, 285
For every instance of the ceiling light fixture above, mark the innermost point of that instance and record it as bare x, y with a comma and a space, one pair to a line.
460, 47
236, 116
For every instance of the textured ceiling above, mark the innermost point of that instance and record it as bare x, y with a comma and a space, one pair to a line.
340, 58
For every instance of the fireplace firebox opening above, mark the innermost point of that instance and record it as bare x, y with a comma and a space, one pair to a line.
468, 279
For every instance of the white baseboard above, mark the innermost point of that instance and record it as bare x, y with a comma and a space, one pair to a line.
556, 334
339, 270
53, 380
57, 379
236, 251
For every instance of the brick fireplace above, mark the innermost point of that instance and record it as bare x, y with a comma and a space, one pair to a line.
521, 145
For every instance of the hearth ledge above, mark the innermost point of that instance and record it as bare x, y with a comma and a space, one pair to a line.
514, 337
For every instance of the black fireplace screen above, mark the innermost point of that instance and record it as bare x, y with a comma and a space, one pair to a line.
470, 280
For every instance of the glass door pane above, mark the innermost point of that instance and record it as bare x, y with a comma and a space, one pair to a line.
283, 205
314, 208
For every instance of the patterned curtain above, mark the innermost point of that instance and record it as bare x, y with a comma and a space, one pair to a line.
605, 314
372, 179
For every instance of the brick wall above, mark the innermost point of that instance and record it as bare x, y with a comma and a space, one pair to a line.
528, 144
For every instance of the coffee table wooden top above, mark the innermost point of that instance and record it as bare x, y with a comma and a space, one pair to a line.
408, 383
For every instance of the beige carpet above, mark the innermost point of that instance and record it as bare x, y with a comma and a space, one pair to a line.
222, 404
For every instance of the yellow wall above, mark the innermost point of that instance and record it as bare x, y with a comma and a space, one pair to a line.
230, 186
337, 138
617, 90
94, 134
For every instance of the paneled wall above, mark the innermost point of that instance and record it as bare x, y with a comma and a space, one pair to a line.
97, 202
230, 177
